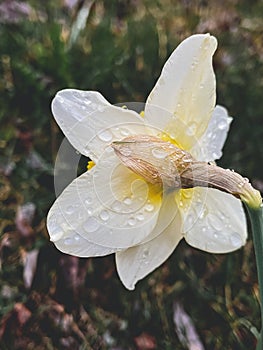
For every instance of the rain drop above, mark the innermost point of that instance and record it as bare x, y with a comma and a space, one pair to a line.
190, 131
105, 135
222, 125
56, 232
131, 221
88, 200
125, 132
215, 222
104, 215
77, 238
159, 153
145, 253
149, 207
68, 241
126, 151
140, 217
89, 211
70, 209
91, 225
127, 201
116, 206
235, 239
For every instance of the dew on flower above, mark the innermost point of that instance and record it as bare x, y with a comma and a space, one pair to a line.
105, 135
139, 217
88, 200
215, 221
124, 132
236, 240
127, 201
104, 215
149, 207
68, 241
70, 210
159, 153
91, 225
191, 129
222, 125
132, 221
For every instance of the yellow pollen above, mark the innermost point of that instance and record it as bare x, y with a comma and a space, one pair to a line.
90, 164
142, 113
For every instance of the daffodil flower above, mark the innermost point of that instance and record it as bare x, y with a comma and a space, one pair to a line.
154, 181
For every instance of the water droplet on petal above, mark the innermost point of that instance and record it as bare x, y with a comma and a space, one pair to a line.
222, 125
70, 209
191, 130
189, 221
159, 153
90, 210
236, 240
140, 217
68, 241
132, 221
116, 206
105, 135
88, 200
127, 201
104, 215
77, 237
145, 256
56, 232
215, 222
149, 207
125, 150
91, 225
124, 132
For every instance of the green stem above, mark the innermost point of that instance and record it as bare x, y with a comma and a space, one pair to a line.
256, 217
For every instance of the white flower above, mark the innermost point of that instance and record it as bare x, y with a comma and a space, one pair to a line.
111, 209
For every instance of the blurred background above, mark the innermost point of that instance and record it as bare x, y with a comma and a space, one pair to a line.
49, 300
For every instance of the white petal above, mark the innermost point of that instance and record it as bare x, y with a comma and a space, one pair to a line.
74, 244
137, 262
209, 146
90, 122
185, 90
108, 206
214, 221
